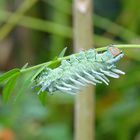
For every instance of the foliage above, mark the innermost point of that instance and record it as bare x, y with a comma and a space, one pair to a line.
39, 36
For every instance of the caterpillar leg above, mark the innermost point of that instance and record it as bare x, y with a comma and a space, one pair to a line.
63, 89
70, 86
102, 79
118, 71
84, 80
108, 73
44, 87
77, 82
98, 73
92, 78
66, 90
105, 78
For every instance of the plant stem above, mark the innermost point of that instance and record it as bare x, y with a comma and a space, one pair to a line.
121, 46
84, 102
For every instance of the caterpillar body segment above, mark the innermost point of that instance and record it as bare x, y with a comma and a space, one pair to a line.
87, 67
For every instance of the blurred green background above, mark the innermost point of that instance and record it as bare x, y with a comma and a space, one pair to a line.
35, 31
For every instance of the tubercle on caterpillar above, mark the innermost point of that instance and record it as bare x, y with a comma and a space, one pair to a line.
87, 67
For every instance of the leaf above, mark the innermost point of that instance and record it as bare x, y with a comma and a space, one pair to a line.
55, 58
54, 64
24, 83
62, 52
25, 66
38, 72
42, 97
9, 87
8, 74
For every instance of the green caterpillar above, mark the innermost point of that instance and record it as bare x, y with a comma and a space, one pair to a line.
87, 67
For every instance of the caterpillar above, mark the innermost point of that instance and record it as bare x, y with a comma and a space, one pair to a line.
86, 67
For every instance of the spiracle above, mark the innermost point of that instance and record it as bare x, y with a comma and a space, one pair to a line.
86, 67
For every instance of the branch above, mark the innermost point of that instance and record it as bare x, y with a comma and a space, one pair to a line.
121, 46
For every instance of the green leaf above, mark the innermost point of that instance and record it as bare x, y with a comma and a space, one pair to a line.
25, 84
8, 74
42, 97
9, 87
25, 66
55, 58
54, 64
38, 72
62, 52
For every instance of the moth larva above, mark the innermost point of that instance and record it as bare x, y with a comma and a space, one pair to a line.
87, 67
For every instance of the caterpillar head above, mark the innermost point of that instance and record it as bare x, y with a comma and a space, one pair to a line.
114, 51
114, 55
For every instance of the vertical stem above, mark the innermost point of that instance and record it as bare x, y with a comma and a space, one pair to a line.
84, 104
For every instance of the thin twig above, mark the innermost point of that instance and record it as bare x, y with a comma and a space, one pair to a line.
121, 46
